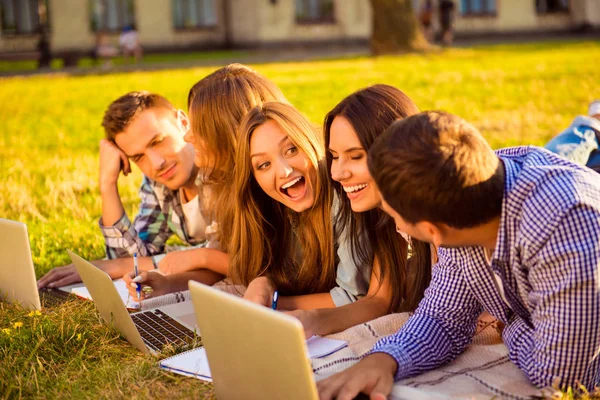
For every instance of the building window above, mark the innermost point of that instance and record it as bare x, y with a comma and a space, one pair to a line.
551, 6
111, 15
478, 7
314, 11
190, 14
23, 16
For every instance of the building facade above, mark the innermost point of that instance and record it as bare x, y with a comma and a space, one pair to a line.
75, 25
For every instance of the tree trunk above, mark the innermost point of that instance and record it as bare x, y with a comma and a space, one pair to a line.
395, 28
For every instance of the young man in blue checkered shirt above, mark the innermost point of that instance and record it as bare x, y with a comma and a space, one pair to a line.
518, 232
146, 129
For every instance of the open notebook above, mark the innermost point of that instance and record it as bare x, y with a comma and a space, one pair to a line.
130, 302
194, 363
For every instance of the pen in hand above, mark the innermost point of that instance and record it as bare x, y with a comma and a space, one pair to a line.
135, 272
274, 302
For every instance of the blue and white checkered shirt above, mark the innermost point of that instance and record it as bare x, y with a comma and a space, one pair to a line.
546, 263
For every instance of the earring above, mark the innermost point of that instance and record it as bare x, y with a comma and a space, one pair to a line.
404, 235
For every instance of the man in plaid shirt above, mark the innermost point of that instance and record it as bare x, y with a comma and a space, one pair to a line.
145, 128
518, 232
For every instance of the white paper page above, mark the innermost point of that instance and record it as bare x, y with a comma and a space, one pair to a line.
195, 363
191, 363
320, 347
121, 286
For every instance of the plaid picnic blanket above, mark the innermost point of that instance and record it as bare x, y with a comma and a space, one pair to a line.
483, 371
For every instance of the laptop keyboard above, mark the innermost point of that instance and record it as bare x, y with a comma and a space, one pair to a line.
158, 330
52, 297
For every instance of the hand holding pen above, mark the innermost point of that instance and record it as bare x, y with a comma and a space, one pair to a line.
135, 273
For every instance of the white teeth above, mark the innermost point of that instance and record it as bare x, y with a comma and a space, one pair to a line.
350, 189
291, 183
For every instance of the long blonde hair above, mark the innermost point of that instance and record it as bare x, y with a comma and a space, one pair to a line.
217, 104
265, 232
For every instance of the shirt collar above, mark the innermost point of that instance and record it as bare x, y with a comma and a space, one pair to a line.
511, 171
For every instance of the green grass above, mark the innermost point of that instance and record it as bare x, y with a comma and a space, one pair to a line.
516, 94
149, 59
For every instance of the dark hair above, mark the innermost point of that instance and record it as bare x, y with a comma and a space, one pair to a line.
436, 167
121, 112
370, 111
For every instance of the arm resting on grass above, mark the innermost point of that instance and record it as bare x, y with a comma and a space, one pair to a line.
67, 275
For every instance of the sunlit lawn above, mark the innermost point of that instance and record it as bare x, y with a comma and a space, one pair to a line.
49, 133
148, 59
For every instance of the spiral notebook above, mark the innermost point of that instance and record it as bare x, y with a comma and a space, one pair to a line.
194, 363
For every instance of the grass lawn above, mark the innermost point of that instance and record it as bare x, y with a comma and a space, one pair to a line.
149, 59
49, 133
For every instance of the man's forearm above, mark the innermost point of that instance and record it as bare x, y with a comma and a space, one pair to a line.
112, 207
118, 267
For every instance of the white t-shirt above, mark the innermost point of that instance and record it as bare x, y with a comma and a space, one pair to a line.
194, 220
128, 40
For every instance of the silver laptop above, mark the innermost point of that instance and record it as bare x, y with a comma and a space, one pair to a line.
253, 352
17, 274
149, 330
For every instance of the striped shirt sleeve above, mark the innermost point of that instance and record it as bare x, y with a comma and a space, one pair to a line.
148, 233
442, 326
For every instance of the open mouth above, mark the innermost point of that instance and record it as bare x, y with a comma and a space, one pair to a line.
354, 191
294, 189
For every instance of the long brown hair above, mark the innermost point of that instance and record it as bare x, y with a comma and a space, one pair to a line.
217, 104
370, 111
266, 232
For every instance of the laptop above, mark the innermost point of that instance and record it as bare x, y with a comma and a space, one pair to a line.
149, 330
253, 351
17, 274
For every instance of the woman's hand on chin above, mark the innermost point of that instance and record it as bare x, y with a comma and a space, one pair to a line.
260, 291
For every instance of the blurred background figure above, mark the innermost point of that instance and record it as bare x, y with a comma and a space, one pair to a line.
130, 43
43, 47
426, 17
580, 141
446, 14
105, 50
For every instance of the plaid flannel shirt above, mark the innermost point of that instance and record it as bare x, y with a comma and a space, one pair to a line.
160, 216
542, 281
